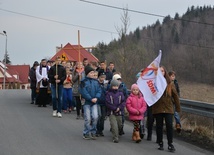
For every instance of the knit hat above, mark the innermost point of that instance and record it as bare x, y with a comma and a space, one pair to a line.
102, 74
134, 86
88, 69
114, 83
116, 76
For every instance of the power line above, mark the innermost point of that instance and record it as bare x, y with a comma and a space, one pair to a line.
59, 22
185, 44
146, 13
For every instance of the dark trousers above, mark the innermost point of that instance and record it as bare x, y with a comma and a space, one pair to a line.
43, 97
159, 127
101, 118
33, 94
150, 121
78, 105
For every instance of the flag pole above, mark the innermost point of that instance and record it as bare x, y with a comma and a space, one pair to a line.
79, 54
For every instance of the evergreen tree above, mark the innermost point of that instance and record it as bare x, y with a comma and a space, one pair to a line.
7, 59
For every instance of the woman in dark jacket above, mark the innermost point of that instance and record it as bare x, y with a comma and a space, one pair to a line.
163, 109
77, 75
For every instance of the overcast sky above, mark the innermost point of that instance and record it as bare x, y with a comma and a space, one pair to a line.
31, 38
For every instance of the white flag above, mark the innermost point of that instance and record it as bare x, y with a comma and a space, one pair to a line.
151, 82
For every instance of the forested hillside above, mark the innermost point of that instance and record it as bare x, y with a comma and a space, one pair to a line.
186, 41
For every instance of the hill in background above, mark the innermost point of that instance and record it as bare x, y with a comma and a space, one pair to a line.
187, 47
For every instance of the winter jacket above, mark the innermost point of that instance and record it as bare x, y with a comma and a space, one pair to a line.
115, 99
76, 82
122, 88
102, 99
134, 104
89, 89
60, 72
166, 103
32, 75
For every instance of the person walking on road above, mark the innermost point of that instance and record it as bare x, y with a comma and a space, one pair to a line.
115, 103
136, 106
42, 83
77, 75
163, 109
67, 92
57, 76
90, 90
33, 81
172, 76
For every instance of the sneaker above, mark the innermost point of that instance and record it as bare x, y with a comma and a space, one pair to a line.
59, 115
78, 117
115, 141
93, 136
54, 113
171, 148
74, 109
86, 137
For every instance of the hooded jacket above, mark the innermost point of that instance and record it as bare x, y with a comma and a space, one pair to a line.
89, 89
166, 103
115, 99
134, 104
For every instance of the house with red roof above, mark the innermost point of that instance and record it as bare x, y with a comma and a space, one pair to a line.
16, 76
73, 53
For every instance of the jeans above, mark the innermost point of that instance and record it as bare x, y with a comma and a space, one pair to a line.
67, 98
90, 117
101, 118
159, 127
57, 100
177, 118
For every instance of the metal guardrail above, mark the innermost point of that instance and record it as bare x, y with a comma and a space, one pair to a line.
198, 108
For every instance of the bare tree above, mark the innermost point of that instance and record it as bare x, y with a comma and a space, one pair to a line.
122, 51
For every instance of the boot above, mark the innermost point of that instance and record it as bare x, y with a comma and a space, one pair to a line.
133, 136
138, 139
121, 131
160, 146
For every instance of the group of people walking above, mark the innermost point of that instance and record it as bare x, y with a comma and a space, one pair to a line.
97, 92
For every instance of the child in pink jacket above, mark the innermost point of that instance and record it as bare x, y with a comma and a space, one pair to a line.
136, 107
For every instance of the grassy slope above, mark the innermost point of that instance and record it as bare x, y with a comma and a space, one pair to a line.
197, 91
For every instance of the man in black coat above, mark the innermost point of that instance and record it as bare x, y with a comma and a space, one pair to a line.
32, 75
57, 76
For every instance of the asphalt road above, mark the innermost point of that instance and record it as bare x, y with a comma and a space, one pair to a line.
26, 129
